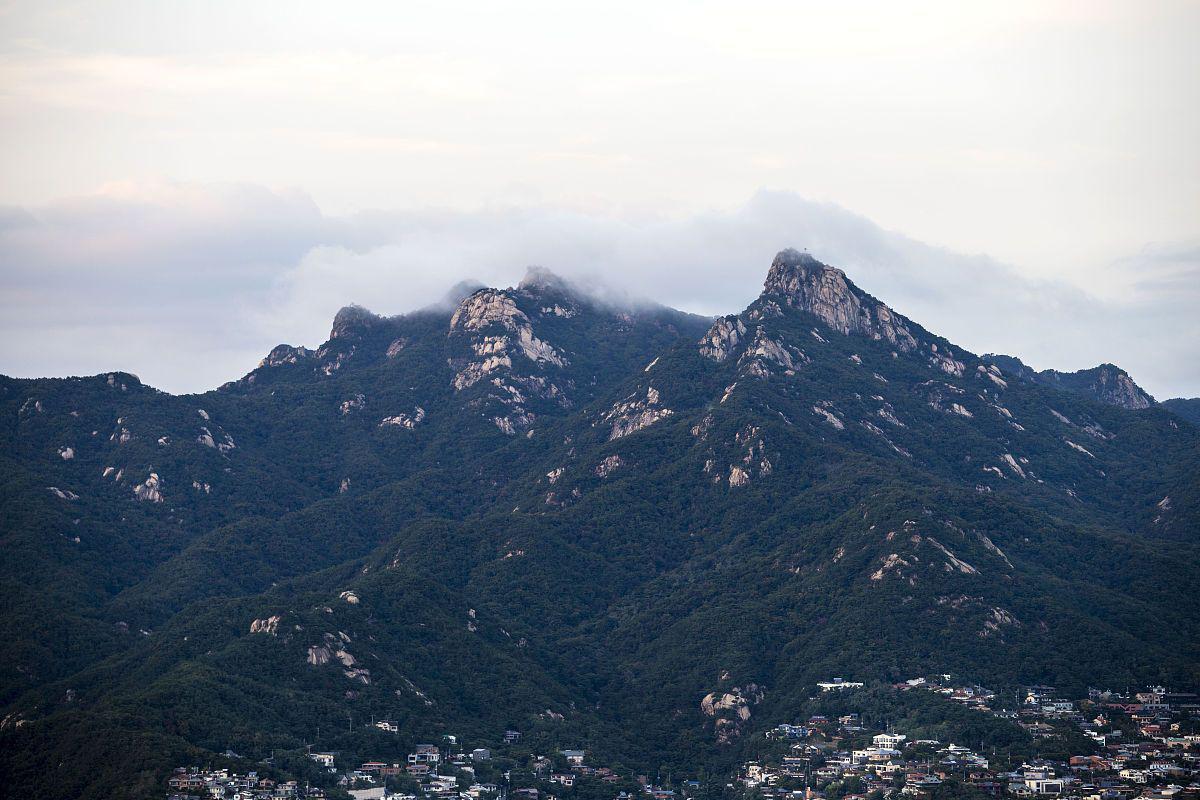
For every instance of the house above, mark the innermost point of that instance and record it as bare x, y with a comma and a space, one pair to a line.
786, 731
890, 741
574, 756
1051, 786
388, 727
425, 754
511, 737
324, 759
837, 684
481, 754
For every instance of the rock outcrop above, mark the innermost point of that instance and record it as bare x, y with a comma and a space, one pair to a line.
722, 338
149, 490
1106, 383
408, 421
351, 321
797, 280
730, 709
285, 354
635, 413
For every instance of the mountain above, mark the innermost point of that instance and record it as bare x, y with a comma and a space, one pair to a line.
1188, 408
609, 525
1106, 383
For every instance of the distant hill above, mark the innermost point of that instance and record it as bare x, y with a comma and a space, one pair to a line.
1106, 383
533, 508
1188, 408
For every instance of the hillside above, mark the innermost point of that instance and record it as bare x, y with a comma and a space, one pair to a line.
529, 507
1188, 408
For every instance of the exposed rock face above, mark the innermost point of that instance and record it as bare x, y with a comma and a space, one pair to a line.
634, 414
945, 361
764, 353
476, 371
730, 709
754, 462
722, 338
997, 619
285, 354
943, 397
1012, 464
318, 655
800, 281
608, 466
207, 439
330, 366
66, 453
1106, 383
268, 625
738, 476
351, 321
493, 307
353, 404
953, 562
503, 347
891, 563
829, 417
407, 421
149, 490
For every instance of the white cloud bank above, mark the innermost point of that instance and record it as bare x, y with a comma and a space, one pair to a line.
189, 285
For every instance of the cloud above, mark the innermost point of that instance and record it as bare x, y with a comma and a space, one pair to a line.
188, 285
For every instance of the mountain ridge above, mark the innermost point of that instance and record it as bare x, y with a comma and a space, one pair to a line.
605, 513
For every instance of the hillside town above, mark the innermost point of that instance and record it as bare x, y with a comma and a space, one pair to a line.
1144, 744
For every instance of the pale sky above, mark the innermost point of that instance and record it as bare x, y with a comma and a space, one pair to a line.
214, 178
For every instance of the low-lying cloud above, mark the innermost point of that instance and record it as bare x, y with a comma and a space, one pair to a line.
189, 285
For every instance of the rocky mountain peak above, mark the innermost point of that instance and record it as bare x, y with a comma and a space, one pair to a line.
1107, 383
539, 280
351, 320
798, 280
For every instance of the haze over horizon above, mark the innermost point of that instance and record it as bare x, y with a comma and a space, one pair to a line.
208, 180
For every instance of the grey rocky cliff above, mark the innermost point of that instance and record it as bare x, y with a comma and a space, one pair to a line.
351, 321
284, 354
797, 280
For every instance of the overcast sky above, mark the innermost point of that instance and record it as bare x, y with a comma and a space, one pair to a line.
184, 185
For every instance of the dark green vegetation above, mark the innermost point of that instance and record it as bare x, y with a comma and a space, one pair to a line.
529, 509
1188, 408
